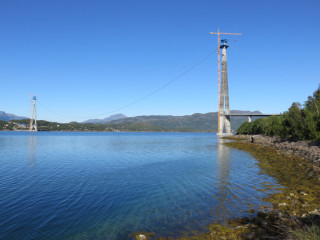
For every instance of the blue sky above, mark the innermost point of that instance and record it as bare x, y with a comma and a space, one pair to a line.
89, 59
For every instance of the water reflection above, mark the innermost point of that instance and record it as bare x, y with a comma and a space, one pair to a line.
223, 180
97, 185
32, 150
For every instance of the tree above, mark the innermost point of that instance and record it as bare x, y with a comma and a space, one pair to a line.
275, 126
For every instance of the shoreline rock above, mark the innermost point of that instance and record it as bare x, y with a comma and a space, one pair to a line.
296, 166
309, 151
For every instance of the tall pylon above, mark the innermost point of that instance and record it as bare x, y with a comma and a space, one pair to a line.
33, 114
224, 120
220, 108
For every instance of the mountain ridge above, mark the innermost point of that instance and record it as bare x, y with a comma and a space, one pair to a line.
197, 122
106, 120
9, 116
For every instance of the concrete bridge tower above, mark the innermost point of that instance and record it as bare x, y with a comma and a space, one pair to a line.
33, 115
224, 109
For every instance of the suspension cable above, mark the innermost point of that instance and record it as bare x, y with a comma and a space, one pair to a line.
141, 98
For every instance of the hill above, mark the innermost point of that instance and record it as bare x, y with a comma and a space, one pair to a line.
8, 116
106, 120
194, 122
197, 122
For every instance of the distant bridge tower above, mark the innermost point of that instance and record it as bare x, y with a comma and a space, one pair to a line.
224, 120
33, 115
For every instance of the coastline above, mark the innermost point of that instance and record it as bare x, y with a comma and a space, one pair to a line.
295, 166
308, 151
6, 130
295, 208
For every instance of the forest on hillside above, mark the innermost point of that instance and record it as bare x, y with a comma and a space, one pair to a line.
197, 122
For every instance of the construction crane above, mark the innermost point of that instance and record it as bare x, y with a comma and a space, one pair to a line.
219, 71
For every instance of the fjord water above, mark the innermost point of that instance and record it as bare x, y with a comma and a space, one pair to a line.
59, 185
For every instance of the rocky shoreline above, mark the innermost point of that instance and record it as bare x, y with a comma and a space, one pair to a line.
308, 151
295, 209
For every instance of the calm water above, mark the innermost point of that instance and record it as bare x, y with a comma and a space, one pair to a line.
57, 185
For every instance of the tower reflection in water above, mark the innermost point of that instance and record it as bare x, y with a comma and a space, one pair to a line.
32, 150
224, 195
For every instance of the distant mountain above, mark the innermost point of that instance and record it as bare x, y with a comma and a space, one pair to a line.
194, 122
197, 122
8, 116
106, 120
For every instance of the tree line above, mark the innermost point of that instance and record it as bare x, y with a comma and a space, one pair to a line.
300, 122
43, 125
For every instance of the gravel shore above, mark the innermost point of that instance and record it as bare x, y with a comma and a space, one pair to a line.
309, 151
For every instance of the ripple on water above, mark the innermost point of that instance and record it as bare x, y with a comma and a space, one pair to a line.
108, 185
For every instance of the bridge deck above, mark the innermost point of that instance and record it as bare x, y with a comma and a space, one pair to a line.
251, 115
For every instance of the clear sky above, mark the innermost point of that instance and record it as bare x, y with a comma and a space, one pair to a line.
90, 59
